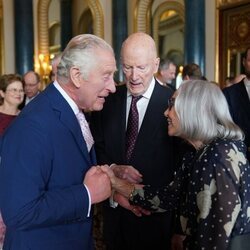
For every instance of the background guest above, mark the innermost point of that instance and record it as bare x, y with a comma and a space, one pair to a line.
11, 96
11, 92
238, 98
166, 73
192, 71
211, 188
32, 84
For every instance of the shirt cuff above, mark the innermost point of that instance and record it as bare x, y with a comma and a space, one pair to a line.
112, 203
89, 209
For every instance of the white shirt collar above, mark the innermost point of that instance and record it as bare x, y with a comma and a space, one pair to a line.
69, 100
148, 92
160, 82
246, 82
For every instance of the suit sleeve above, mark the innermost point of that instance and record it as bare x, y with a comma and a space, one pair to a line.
26, 197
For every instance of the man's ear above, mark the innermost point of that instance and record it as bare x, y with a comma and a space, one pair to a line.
75, 76
2, 94
156, 64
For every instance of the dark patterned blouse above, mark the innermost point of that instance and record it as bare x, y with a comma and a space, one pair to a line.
211, 191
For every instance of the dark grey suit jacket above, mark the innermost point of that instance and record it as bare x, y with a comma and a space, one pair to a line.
153, 156
239, 106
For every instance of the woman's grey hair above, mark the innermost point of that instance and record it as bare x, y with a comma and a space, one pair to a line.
81, 53
203, 112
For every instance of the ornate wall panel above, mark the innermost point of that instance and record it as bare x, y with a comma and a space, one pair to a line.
234, 37
143, 16
43, 26
97, 14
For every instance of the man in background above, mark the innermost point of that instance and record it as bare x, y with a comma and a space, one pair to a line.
238, 98
150, 150
191, 71
166, 73
32, 84
47, 184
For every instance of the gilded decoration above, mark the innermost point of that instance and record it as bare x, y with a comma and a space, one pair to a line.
98, 20
239, 30
225, 3
234, 36
143, 16
43, 26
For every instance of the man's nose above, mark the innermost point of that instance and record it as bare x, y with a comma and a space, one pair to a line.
134, 74
111, 86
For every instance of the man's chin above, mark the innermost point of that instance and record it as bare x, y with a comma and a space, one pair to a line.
98, 107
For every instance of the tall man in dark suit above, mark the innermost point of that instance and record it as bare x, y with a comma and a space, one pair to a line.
153, 152
47, 184
238, 98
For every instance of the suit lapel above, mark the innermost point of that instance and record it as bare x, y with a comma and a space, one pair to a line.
68, 118
243, 95
154, 110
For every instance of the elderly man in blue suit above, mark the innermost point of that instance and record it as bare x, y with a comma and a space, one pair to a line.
47, 182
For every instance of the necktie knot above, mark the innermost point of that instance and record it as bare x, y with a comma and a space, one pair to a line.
85, 130
135, 99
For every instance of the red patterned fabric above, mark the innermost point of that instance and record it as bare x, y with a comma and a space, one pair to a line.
2, 231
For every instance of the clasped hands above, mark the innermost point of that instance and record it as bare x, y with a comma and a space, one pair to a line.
124, 179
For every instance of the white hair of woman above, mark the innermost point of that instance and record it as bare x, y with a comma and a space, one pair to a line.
203, 112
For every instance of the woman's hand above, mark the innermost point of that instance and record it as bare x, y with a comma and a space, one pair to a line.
121, 186
124, 202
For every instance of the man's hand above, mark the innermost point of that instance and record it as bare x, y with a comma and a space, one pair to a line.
98, 184
127, 172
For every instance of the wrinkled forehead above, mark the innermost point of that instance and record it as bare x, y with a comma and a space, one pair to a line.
30, 78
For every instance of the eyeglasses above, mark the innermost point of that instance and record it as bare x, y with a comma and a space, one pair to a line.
15, 91
171, 102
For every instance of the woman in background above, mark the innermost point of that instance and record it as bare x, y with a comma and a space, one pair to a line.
11, 96
212, 188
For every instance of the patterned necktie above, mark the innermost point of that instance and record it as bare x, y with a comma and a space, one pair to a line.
132, 127
85, 130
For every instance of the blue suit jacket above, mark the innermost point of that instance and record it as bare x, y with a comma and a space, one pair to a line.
43, 162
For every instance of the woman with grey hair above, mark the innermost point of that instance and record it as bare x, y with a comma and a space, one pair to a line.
211, 188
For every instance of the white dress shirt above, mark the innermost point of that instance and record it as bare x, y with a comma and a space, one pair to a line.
142, 104
247, 84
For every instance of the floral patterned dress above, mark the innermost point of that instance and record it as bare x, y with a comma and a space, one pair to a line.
211, 191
